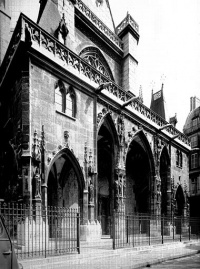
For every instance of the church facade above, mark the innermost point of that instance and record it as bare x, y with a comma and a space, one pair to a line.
74, 132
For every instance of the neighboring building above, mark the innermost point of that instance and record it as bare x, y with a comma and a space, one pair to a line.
158, 103
192, 130
73, 133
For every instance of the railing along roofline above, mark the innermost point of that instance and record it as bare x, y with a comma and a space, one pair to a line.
99, 24
126, 21
28, 31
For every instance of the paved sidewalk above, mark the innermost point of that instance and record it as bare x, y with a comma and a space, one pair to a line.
93, 258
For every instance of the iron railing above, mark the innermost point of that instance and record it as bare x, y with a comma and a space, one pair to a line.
141, 230
42, 232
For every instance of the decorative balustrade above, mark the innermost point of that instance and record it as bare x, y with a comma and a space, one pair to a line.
43, 40
98, 23
127, 21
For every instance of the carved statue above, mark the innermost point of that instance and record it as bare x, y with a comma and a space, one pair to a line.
37, 183
91, 192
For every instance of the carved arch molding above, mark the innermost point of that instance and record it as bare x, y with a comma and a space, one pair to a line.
95, 58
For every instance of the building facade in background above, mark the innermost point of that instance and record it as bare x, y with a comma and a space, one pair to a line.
74, 132
192, 130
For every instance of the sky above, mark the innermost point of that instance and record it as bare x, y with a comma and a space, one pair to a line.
168, 49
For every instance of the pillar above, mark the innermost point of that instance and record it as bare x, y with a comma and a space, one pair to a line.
127, 30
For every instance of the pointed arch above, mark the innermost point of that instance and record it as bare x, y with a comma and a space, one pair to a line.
166, 152
140, 172
67, 154
107, 152
94, 57
165, 176
180, 201
141, 138
108, 122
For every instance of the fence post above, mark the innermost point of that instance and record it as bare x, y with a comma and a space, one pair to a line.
114, 246
180, 227
149, 230
78, 233
127, 229
133, 230
162, 227
189, 228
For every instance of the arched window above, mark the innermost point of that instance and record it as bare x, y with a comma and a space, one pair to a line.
95, 58
65, 99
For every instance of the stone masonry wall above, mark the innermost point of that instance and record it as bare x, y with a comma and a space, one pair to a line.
43, 112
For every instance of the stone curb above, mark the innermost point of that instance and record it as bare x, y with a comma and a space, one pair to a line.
160, 260
60, 260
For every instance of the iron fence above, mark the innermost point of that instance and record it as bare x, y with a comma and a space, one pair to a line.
142, 229
41, 232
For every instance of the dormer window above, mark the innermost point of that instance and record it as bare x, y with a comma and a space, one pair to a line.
65, 99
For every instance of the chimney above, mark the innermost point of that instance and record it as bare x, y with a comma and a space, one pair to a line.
194, 103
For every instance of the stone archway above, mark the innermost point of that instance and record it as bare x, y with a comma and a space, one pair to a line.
180, 202
65, 182
179, 210
165, 182
139, 175
107, 147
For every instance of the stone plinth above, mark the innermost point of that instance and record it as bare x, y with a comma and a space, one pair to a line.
90, 231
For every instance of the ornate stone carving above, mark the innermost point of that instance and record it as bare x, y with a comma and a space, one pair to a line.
121, 129
94, 57
127, 21
119, 187
62, 30
131, 134
99, 24
37, 184
59, 51
36, 150
89, 172
101, 114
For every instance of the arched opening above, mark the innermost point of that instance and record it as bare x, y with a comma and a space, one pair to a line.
180, 201
65, 186
95, 58
105, 193
179, 210
165, 182
138, 176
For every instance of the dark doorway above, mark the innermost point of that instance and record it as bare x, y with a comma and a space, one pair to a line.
137, 179
180, 201
165, 182
105, 177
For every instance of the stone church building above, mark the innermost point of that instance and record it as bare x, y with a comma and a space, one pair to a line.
74, 132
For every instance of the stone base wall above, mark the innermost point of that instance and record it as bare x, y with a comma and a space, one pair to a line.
90, 232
